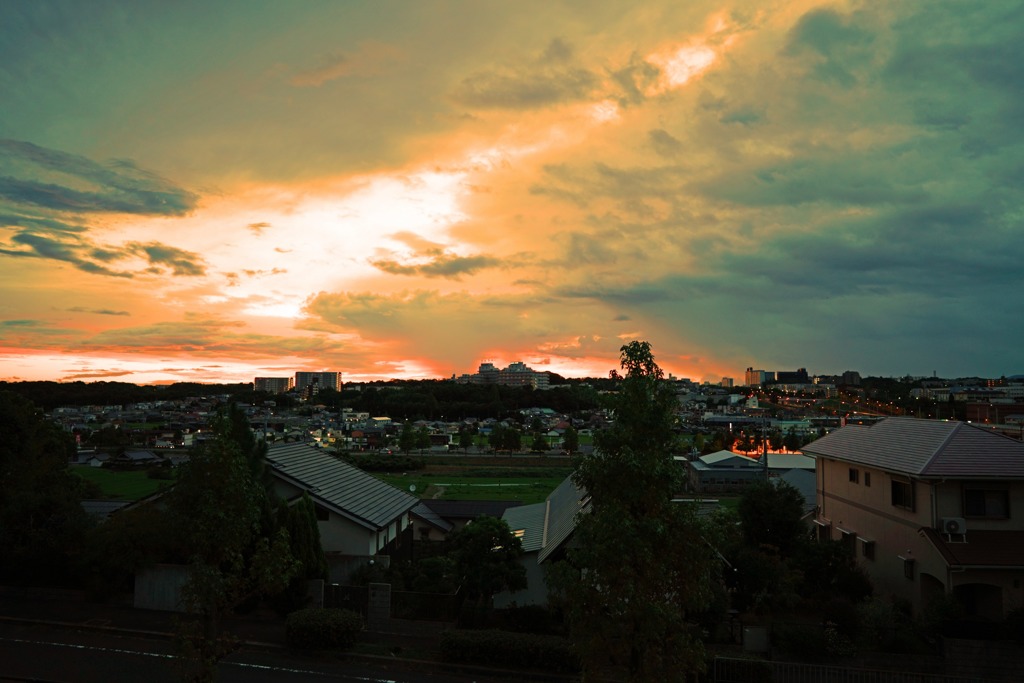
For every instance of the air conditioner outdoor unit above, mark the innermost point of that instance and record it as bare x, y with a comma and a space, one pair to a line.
954, 525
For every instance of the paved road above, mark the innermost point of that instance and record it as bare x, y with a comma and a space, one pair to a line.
41, 653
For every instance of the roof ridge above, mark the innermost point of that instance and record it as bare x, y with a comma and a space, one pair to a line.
547, 517
941, 447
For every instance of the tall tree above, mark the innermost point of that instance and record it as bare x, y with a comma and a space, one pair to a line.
42, 523
641, 570
407, 439
570, 440
220, 504
486, 554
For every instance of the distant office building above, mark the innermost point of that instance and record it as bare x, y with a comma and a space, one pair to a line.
273, 385
851, 378
755, 378
792, 377
726, 382
309, 383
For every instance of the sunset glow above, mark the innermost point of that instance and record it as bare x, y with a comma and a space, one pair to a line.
192, 194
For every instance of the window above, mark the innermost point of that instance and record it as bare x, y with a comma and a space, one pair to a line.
903, 494
908, 568
988, 503
867, 549
854, 475
867, 479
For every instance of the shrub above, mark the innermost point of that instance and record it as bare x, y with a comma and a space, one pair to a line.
530, 619
317, 628
513, 650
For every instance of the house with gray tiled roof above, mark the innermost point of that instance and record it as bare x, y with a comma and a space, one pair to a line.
726, 471
359, 516
929, 507
545, 530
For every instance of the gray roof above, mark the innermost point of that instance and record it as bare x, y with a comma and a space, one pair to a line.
549, 524
564, 503
925, 448
340, 486
102, 509
529, 519
428, 515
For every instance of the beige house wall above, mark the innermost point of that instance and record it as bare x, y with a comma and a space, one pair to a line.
868, 512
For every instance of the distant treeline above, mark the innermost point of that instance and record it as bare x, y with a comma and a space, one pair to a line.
401, 400
50, 395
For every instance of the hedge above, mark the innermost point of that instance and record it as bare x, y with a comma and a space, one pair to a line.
318, 628
513, 650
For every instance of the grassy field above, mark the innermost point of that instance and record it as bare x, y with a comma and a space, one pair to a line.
527, 486
120, 485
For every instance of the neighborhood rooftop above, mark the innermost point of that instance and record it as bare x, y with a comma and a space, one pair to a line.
926, 448
339, 485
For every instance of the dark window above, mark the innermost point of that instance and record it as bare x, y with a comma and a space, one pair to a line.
908, 569
854, 475
903, 494
868, 549
990, 503
867, 479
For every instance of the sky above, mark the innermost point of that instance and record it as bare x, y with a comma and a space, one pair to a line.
216, 190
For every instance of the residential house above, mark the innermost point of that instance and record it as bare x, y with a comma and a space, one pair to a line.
929, 507
545, 531
359, 516
726, 471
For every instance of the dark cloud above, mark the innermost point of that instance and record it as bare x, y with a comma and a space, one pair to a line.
746, 116
663, 144
39, 246
20, 323
557, 51
90, 258
56, 180
633, 79
512, 89
258, 228
446, 266
180, 261
840, 47
97, 311
831, 177
39, 224
552, 78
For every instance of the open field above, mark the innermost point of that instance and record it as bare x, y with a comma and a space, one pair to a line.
525, 484
120, 484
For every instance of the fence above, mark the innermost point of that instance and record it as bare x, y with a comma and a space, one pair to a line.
730, 670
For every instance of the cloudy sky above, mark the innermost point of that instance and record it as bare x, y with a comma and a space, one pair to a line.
212, 191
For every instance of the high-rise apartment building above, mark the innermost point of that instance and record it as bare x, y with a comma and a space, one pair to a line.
516, 374
273, 385
755, 378
312, 382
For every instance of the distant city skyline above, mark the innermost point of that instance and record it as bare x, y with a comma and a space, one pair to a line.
222, 191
